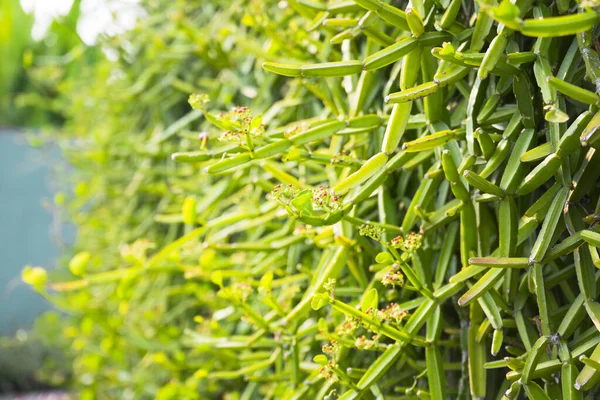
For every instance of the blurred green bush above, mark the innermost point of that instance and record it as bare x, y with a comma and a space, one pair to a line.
31, 360
124, 113
31, 70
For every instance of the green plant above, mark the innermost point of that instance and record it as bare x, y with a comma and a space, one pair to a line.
32, 70
409, 212
30, 361
15, 37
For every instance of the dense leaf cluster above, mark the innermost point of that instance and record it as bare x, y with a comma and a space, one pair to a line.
401, 204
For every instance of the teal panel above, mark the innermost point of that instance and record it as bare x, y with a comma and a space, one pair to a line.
25, 228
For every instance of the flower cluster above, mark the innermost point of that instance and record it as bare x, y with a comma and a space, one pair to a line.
136, 252
198, 101
243, 125
342, 157
285, 193
362, 343
326, 371
330, 349
232, 136
330, 286
392, 313
241, 112
372, 231
409, 244
325, 199
320, 198
393, 278
349, 326
297, 128
238, 292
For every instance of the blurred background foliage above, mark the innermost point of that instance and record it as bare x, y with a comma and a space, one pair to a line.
32, 71
117, 110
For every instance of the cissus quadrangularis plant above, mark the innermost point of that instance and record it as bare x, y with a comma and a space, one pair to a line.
406, 209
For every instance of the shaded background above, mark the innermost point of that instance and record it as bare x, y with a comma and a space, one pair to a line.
38, 40
25, 237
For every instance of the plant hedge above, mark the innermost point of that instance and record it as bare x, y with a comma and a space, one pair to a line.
362, 199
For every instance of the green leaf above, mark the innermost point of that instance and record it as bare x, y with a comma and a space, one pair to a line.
318, 301
384, 258
320, 359
370, 300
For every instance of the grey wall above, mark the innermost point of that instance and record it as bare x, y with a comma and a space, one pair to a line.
25, 225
